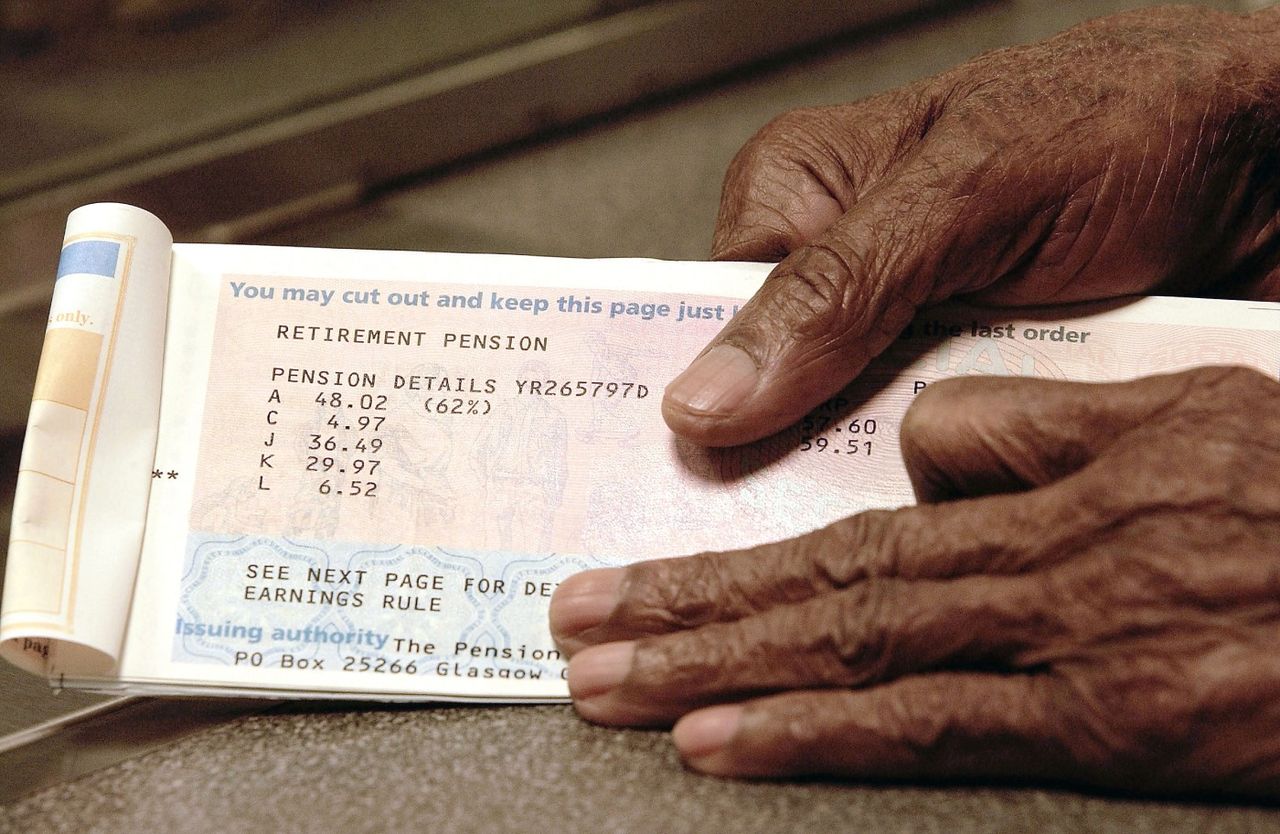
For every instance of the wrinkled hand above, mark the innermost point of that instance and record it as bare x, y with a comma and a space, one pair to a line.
1102, 605
1133, 154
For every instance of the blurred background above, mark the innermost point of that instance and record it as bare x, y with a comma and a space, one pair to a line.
232, 119
564, 127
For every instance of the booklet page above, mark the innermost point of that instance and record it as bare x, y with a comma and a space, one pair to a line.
83, 480
375, 468
370, 470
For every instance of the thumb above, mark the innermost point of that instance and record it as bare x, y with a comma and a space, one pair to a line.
976, 436
832, 305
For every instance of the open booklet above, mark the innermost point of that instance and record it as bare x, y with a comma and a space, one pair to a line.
325, 473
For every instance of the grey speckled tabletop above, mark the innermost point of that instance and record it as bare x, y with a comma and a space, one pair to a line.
527, 769
643, 184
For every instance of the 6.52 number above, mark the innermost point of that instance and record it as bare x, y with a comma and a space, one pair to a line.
368, 489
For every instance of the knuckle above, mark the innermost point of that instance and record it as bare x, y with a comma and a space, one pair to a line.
935, 400
800, 721
861, 636
692, 664
820, 281
837, 297
816, 294
856, 548
920, 723
936, 410
1128, 722
772, 180
929, 415
783, 143
1214, 422
792, 732
1234, 378
949, 429
671, 594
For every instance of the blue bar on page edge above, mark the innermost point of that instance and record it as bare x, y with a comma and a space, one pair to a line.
89, 257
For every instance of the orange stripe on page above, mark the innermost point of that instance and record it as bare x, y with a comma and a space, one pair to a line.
68, 366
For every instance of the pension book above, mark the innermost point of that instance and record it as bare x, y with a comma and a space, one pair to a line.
297, 472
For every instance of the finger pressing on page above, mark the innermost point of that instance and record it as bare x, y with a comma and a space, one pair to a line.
1001, 534
871, 632
973, 436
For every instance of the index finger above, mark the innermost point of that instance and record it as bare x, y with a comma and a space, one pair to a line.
999, 534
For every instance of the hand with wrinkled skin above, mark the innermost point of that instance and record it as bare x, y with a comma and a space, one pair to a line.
1089, 592
1090, 588
1138, 153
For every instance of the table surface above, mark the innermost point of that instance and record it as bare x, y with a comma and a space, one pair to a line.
645, 183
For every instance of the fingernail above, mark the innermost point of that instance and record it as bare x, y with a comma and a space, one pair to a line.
584, 601
599, 669
706, 731
717, 381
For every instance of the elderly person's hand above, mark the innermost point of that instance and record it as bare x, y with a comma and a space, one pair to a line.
1090, 588
1138, 153
1101, 605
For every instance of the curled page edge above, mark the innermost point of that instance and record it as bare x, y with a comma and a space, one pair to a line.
86, 468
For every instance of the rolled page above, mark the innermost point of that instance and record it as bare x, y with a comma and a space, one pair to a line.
85, 472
